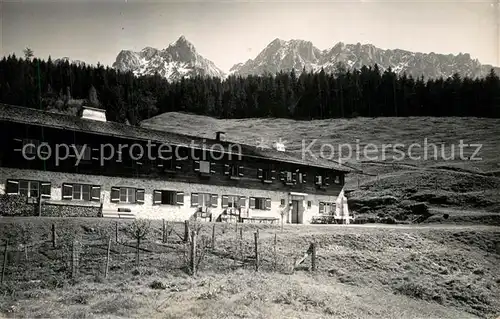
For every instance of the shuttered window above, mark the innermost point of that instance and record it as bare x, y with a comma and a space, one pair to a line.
326, 208
234, 201
83, 192
30, 146
84, 152
166, 197
204, 200
260, 203
127, 195
28, 188
233, 170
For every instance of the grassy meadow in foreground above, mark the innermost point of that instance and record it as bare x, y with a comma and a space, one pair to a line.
439, 271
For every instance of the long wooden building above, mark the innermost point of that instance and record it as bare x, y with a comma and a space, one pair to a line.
86, 162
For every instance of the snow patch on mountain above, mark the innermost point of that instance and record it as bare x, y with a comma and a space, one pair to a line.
281, 55
179, 60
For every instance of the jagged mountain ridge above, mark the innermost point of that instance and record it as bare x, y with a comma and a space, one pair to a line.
179, 60
281, 55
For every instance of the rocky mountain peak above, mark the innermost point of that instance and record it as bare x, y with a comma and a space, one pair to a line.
282, 55
179, 60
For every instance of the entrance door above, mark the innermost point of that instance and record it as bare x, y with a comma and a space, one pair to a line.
295, 211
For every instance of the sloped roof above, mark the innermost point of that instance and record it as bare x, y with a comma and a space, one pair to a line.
30, 116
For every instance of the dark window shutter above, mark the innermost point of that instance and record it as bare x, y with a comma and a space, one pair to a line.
67, 191
194, 199
243, 202
273, 174
18, 144
304, 176
225, 200
260, 173
45, 189
156, 197
282, 176
12, 187
139, 196
95, 153
294, 177
214, 200
180, 198
240, 173
196, 166
212, 168
327, 181
115, 195
226, 169
96, 193
268, 203
321, 208
252, 202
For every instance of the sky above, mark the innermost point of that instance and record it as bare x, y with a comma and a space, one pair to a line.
230, 32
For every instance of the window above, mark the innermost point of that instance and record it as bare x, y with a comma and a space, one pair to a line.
233, 170
81, 192
260, 203
127, 195
309, 204
204, 200
282, 202
327, 208
30, 146
233, 201
204, 167
322, 180
301, 177
168, 164
266, 175
28, 188
165, 197
339, 179
84, 151
288, 177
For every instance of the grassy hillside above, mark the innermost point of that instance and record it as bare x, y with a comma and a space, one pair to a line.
471, 185
362, 272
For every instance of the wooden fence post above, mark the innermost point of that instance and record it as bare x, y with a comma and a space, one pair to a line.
241, 232
186, 231
213, 236
116, 232
163, 232
166, 232
39, 204
313, 257
275, 253
4, 266
193, 253
54, 236
107, 259
256, 239
74, 259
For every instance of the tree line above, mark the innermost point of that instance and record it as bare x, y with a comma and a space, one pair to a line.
368, 92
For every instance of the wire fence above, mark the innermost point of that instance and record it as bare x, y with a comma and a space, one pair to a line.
49, 252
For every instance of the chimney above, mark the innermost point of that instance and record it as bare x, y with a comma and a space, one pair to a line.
218, 134
92, 113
